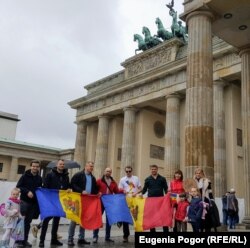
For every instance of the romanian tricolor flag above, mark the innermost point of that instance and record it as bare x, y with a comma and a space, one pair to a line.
83, 209
150, 212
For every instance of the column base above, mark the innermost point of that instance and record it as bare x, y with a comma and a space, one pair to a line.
246, 222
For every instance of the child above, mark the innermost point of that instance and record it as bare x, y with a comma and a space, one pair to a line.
195, 210
181, 213
12, 213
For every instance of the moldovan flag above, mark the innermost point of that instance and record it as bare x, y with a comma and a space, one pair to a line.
83, 209
150, 212
116, 208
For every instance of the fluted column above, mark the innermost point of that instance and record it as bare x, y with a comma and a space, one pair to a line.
13, 169
219, 139
101, 158
172, 135
199, 95
80, 145
245, 105
128, 139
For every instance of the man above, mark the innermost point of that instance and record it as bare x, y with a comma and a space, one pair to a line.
58, 178
130, 185
28, 183
85, 183
106, 185
156, 186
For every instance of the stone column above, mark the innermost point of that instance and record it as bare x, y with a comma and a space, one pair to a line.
80, 145
199, 95
172, 135
245, 105
128, 139
220, 186
13, 169
101, 158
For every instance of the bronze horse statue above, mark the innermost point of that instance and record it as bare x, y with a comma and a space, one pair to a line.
162, 32
141, 43
150, 40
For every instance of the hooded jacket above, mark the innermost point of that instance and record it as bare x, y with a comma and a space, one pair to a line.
56, 180
29, 182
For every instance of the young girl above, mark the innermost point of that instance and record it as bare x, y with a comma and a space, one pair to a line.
12, 214
181, 213
195, 210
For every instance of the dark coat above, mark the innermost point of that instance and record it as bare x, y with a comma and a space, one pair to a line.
29, 182
56, 180
195, 210
212, 218
78, 183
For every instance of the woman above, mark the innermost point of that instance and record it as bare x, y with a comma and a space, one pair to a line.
210, 211
176, 188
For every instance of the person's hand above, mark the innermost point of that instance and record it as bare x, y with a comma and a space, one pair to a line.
134, 194
84, 192
99, 194
30, 194
69, 190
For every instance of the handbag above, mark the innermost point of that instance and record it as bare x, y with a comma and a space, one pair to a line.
18, 232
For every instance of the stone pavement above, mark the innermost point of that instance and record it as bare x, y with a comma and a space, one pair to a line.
116, 235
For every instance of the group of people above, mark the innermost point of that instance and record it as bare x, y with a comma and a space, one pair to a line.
196, 206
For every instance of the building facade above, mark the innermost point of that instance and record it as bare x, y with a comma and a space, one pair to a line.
180, 106
15, 156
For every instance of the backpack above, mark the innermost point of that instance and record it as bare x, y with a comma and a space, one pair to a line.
2, 209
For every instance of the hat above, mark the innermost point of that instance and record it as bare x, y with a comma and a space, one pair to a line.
182, 195
232, 190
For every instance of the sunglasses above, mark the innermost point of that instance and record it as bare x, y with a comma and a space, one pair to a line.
128, 171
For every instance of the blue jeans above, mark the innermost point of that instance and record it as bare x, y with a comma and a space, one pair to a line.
225, 217
107, 230
71, 232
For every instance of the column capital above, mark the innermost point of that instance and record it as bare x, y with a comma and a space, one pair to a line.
132, 108
173, 95
244, 50
200, 13
78, 122
103, 116
220, 82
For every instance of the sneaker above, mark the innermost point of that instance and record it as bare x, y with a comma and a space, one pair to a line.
41, 244
56, 242
109, 240
59, 236
83, 242
71, 243
34, 231
26, 244
125, 240
95, 240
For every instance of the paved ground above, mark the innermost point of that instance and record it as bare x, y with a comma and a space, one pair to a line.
116, 235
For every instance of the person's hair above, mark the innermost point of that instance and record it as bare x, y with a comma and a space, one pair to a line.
129, 167
90, 162
34, 162
199, 170
180, 173
16, 190
197, 190
153, 166
60, 159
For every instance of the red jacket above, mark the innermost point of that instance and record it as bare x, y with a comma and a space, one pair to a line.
176, 186
181, 211
102, 186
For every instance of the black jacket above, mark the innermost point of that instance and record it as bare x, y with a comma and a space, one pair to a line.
29, 182
56, 180
78, 183
155, 187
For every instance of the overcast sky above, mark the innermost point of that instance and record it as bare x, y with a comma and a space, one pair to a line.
50, 49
